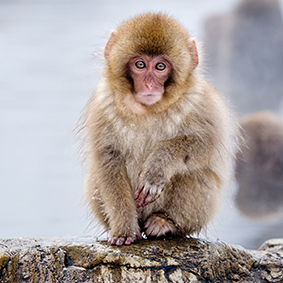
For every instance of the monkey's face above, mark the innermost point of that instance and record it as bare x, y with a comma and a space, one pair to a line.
150, 61
149, 74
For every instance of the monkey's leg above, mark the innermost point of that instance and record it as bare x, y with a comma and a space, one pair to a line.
110, 195
189, 203
169, 158
121, 221
192, 200
120, 210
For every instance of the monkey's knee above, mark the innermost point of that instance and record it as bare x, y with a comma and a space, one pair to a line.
192, 202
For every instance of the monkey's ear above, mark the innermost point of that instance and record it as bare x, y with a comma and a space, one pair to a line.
194, 53
110, 44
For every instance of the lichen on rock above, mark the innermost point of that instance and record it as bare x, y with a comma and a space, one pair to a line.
83, 259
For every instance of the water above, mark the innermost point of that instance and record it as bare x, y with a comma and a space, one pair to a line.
50, 64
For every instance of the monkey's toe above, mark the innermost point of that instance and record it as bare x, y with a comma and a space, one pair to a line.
119, 241
158, 225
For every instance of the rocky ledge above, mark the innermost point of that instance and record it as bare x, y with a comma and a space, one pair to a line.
178, 260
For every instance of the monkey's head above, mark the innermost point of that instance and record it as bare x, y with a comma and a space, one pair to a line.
150, 60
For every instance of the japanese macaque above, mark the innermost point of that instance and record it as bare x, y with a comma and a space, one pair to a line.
259, 170
157, 135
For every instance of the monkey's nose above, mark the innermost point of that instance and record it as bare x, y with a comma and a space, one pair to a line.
149, 85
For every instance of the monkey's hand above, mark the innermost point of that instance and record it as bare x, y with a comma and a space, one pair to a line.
124, 227
119, 241
151, 182
168, 158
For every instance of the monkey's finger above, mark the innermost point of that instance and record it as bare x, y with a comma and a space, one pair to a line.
140, 202
129, 240
153, 194
113, 240
137, 194
150, 198
139, 236
142, 197
117, 241
141, 193
120, 241
138, 191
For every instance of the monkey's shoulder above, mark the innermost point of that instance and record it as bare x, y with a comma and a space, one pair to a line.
200, 107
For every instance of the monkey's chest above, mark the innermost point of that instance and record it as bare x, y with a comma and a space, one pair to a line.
136, 144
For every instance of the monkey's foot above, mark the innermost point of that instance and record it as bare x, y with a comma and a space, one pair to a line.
119, 241
158, 225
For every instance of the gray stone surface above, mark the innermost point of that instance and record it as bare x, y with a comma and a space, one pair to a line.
176, 260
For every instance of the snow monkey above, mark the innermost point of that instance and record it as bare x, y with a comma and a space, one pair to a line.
157, 136
259, 167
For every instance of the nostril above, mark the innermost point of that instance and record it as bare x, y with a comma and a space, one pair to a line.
149, 85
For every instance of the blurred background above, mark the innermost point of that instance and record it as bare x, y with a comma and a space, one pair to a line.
50, 61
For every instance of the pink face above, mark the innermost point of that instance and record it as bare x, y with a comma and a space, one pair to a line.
149, 75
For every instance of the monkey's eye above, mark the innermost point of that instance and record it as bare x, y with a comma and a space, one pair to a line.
160, 66
140, 64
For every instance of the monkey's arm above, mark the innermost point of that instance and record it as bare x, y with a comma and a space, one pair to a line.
178, 155
117, 196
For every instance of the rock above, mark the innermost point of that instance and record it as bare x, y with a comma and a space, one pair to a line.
244, 53
176, 260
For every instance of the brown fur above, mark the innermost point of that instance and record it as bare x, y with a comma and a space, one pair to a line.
180, 144
259, 170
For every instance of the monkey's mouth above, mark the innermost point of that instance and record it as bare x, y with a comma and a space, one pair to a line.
148, 99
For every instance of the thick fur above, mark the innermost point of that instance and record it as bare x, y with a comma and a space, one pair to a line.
151, 34
182, 143
259, 170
